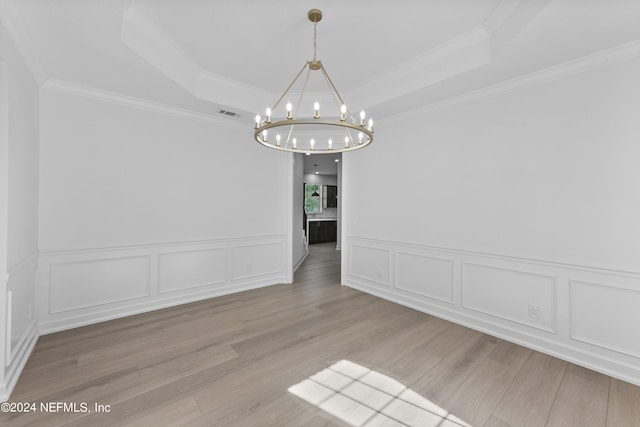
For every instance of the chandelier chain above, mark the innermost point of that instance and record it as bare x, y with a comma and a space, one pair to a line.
315, 39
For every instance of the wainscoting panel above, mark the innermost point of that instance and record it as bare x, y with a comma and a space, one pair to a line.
76, 288
583, 314
191, 269
606, 316
21, 289
517, 296
435, 275
21, 327
83, 284
259, 259
370, 263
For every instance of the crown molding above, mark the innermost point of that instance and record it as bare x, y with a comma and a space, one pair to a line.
219, 89
589, 62
133, 102
12, 20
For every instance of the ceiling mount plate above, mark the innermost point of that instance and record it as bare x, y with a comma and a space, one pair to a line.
315, 15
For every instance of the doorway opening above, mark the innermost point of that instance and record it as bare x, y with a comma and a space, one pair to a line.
317, 205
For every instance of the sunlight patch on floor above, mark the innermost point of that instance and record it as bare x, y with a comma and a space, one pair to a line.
363, 397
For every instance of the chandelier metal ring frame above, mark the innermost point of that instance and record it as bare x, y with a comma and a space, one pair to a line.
357, 133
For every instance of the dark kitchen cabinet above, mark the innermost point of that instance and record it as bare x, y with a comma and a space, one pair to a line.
322, 231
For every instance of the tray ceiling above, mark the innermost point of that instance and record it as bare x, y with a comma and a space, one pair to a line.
388, 57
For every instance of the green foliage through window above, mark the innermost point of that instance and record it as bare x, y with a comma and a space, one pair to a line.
312, 203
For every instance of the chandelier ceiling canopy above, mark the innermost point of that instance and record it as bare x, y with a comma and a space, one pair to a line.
288, 128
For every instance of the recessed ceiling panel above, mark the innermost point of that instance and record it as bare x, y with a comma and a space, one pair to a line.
263, 44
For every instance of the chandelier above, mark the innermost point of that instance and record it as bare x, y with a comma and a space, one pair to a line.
313, 134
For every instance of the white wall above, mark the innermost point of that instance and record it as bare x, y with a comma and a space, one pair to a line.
515, 213
18, 212
140, 209
299, 246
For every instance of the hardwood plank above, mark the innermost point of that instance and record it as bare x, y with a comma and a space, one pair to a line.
410, 352
624, 404
176, 413
476, 398
39, 382
443, 379
528, 401
581, 400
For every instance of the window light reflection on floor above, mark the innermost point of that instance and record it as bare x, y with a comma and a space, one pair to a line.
363, 397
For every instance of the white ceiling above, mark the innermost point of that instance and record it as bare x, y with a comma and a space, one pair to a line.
386, 57
327, 164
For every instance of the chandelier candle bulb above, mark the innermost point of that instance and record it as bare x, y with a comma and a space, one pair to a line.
278, 140
294, 142
362, 116
316, 110
370, 124
289, 109
257, 121
343, 113
268, 114
313, 143
346, 142
360, 136
264, 135
330, 144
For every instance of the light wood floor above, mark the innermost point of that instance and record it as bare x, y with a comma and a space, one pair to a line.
229, 361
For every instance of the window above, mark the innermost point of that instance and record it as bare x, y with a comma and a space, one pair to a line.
312, 203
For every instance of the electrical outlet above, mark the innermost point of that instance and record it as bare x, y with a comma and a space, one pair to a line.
534, 311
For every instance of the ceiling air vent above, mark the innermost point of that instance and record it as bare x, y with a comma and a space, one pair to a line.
227, 113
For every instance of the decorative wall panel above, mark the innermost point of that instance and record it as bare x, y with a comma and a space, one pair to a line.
370, 263
255, 260
425, 275
191, 269
517, 296
83, 284
606, 316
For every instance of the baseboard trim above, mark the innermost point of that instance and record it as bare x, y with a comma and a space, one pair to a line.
299, 263
79, 321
